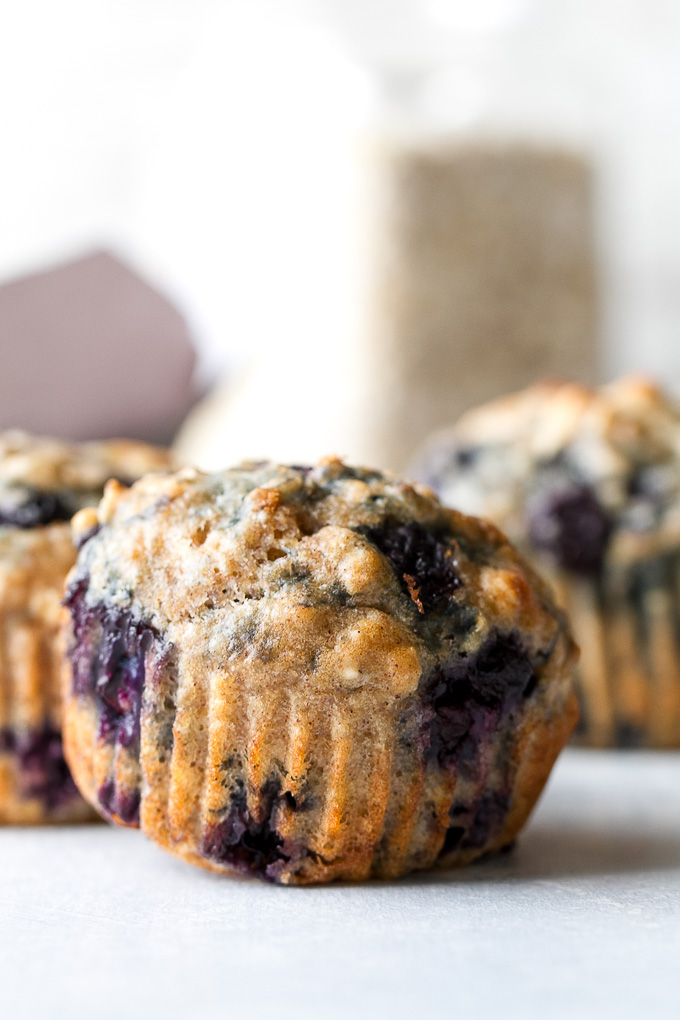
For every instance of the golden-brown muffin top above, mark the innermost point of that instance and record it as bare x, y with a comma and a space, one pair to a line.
325, 574
43, 479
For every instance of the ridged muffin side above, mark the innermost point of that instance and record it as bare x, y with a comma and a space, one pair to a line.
42, 483
308, 675
34, 779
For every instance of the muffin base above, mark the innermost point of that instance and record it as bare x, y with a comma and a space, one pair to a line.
327, 789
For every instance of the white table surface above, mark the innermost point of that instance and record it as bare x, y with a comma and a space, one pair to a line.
581, 920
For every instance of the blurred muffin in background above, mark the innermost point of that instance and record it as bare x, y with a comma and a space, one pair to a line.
587, 482
43, 482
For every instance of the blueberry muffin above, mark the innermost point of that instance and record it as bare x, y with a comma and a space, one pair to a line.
42, 483
587, 483
309, 674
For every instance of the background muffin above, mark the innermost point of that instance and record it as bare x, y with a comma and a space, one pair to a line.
42, 483
310, 674
588, 483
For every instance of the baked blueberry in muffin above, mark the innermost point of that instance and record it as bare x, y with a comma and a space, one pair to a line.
309, 674
42, 484
587, 483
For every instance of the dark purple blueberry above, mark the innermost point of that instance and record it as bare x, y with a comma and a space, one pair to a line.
464, 703
423, 561
452, 839
7, 740
43, 772
124, 804
573, 526
87, 535
487, 820
500, 671
469, 694
38, 508
120, 683
109, 657
248, 846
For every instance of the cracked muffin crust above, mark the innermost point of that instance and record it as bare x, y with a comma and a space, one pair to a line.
42, 483
587, 483
309, 674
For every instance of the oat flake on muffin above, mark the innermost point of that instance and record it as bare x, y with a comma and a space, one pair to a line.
310, 674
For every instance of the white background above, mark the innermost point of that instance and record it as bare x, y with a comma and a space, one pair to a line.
211, 142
